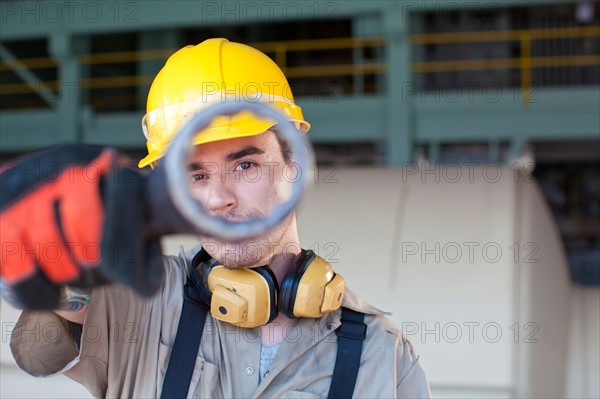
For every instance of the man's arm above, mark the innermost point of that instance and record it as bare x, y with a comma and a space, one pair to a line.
74, 304
411, 376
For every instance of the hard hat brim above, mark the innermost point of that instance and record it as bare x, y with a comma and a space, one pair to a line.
226, 132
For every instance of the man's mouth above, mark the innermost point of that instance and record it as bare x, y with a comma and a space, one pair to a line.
241, 218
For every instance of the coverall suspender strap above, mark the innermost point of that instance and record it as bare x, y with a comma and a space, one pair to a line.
187, 342
351, 334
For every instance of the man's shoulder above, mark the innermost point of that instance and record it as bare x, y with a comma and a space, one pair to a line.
385, 342
183, 258
378, 321
357, 303
179, 264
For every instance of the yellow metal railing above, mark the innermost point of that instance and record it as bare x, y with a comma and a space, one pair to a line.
280, 49
525, 62
504, 35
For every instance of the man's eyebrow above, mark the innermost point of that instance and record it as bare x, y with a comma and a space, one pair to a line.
196, 166
250, 150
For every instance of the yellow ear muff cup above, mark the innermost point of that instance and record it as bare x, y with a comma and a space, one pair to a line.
311, 289
243, 297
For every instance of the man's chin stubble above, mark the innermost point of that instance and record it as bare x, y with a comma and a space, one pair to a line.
253, 252
237, 255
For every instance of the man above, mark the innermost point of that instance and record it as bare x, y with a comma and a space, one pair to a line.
118, 344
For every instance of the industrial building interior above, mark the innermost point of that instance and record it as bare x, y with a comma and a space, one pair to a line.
401, 96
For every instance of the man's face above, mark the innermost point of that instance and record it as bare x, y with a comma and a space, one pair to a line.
238, 179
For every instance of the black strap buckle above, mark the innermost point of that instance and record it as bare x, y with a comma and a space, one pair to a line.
352, 330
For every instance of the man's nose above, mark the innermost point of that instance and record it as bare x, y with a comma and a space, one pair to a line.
220, 197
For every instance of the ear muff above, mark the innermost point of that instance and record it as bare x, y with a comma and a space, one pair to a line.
251, 297
243, 297
311, 288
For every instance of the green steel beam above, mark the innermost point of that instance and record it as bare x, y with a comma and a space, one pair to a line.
558, 114
345, 119
118, 129
27, 19
30, 19
22, 130
398, 144
551, 114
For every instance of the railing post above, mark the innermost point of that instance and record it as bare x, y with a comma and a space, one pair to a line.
68, 106
150, 67
358, 77
525, 63
362, 26
281, 57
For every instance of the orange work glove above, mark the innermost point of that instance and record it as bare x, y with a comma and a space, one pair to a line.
74, 215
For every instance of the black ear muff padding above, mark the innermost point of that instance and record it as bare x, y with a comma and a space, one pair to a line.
271, 280
289, 285
197, 279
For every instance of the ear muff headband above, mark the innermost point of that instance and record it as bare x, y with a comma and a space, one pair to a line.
269, 276
196, 278
251, 297
289, 285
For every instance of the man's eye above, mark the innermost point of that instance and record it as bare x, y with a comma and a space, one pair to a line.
245, 165
199, 177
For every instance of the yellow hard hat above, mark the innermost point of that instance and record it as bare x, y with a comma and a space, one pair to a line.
213, 71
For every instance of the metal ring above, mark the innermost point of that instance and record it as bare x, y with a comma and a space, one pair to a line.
180, 152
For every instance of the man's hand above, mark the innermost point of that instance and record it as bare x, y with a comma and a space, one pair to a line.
74, 215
